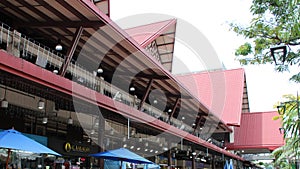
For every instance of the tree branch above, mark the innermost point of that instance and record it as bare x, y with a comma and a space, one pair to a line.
294, 44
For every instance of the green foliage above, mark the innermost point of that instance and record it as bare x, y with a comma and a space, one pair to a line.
296, 77
285, 155
244, 49
274, 22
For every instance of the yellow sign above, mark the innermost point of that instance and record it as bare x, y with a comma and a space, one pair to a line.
76, 148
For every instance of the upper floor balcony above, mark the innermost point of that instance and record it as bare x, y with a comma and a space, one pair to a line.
100, 56
32, 51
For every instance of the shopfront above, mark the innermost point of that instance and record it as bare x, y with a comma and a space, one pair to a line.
74, 154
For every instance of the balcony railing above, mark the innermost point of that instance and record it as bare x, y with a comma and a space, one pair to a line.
24, 47
21, 46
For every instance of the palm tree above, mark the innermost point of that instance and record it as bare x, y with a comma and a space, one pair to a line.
286, 155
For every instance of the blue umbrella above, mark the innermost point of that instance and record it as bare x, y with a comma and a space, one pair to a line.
122, 154
151, 166
12, 139
226, 166
230, 164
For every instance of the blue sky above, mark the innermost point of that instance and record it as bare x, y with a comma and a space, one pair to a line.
211, 18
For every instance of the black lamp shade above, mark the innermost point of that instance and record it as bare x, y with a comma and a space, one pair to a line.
279, 54
281, 109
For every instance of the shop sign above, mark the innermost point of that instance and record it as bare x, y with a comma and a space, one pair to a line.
70, 147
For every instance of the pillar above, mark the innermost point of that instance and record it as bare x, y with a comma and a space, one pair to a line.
213, 161
193, 162
169, 159
101, 132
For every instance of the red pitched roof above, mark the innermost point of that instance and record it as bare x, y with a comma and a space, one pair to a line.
145, 34
221, 91
257, 131
159, 34
104, 6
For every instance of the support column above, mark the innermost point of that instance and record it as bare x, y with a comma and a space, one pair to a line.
35, 125
193, 162
169, 159
213, 162
101, 131
223, 160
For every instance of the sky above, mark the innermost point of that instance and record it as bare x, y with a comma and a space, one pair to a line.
210, 18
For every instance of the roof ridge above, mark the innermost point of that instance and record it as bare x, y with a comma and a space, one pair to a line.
208, 71
260, 112
169, 20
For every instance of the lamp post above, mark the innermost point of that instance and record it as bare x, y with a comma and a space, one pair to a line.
282, 110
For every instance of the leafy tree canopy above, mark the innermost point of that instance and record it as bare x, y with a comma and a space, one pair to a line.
289, 116
274, 23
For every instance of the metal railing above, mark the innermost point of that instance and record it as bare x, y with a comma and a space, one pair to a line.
22, 46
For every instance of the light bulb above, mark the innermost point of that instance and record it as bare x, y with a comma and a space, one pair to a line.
100, 70
45, 120
132, 89
4, 103
58, 47
41, 104
70, 120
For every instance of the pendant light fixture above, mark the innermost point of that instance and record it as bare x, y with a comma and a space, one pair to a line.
4, 102
58, 47
45, 119
132, 89
70, 120
99, 70
92, 126
41, 104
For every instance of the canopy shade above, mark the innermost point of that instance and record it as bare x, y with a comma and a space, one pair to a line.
122, 154
12, 139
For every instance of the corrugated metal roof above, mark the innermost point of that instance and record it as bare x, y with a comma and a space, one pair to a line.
145, 34
257, 131
221, 91
160, 37
110, 45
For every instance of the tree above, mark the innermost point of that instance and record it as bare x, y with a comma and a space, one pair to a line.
274, 23
285, 156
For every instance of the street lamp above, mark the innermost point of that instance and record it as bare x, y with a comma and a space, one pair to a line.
279, 54
281, 130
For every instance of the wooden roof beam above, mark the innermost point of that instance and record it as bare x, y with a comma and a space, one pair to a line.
61, 24
71, 50
163, 44
174, 108
146, 94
